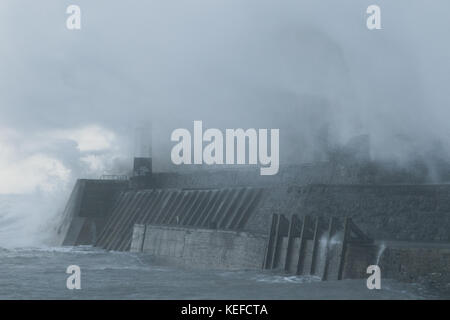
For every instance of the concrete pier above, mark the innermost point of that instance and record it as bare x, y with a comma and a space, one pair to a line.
287, 227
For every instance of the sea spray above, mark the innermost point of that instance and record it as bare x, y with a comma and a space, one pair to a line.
380, 252
327, 245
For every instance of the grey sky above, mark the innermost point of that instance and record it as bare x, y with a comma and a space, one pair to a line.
293, 65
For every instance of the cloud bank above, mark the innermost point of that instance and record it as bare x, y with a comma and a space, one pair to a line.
69, 100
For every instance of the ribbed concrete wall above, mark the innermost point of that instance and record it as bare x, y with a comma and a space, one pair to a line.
390, 212
88, 210
357, 258
228, 208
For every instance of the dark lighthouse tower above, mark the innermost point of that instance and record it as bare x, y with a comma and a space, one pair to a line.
142, 163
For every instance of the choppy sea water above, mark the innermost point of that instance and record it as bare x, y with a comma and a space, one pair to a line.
40, 273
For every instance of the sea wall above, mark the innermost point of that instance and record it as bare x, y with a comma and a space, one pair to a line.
388, 212
326, 265
88, 210
226, 208
230, 250
200, 248
325, 172
385, 212
417, 262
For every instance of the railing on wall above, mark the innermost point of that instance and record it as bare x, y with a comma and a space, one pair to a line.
113, 177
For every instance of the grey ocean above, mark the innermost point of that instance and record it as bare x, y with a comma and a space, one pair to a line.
39, 273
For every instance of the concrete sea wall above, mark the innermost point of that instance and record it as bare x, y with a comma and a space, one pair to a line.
231, 250
220, 219
417, 262
320, 172
226, 208
88, 209
200, 248
388, 212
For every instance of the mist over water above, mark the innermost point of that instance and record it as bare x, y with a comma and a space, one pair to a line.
69, 100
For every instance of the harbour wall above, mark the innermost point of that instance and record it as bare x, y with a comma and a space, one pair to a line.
224, 212
388, 212
428, 263
200, 248
88, 209
231, 250
419, 213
